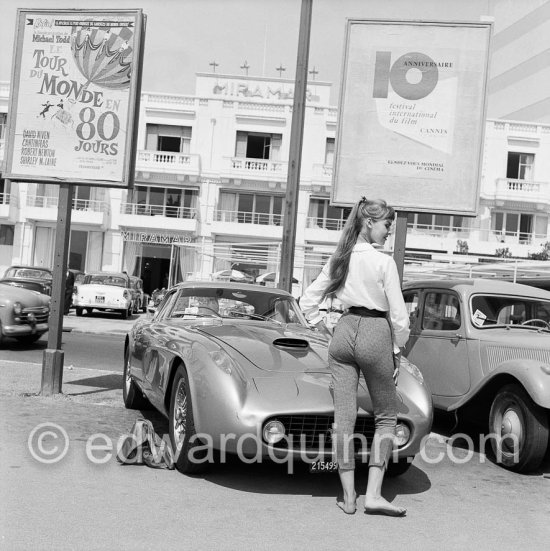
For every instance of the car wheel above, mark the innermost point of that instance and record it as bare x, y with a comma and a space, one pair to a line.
522, 429
124, 313
182, 426
79, 312
399, 467
131, 394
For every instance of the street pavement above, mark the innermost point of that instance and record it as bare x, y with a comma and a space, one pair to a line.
86, 500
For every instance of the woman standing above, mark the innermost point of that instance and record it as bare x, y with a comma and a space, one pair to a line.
366, 281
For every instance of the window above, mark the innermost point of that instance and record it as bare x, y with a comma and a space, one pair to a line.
170, 202
520, 166
441, 312
434, 222
323, 215
250, 208
164, 137
77, 249
3, 122
329, 151
6, 234
518, 225
411, 303
254, 145
4, 191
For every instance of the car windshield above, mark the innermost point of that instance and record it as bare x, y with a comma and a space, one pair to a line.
35, 273
494, 310
105, 280
236, 304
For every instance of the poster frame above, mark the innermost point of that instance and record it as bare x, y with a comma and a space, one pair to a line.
129, 149
470, 205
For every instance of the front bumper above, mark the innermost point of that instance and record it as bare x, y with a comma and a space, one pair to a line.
24, 329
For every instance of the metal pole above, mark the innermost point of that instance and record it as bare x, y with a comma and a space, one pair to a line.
52, 362
399, 242
295, 155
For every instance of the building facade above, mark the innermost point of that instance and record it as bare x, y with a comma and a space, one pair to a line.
210, 184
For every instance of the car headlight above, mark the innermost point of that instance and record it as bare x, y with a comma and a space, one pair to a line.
412, 369
223, 360
17, 308
274, 432
402, 434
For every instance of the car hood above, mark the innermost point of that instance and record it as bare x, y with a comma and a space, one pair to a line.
25, 296
273, 348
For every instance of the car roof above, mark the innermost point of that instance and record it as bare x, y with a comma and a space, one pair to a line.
231, 285
17, 266
121, 274
479, 285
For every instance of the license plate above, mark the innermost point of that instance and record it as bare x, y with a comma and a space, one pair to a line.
323, 467
100, 299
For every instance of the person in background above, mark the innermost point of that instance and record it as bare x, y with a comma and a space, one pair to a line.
371, 331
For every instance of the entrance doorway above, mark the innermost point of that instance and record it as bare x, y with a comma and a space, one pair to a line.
154, 273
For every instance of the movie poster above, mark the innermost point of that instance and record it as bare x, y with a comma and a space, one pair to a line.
73, 97
412, 115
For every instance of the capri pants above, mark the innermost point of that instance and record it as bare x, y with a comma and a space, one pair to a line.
363, 343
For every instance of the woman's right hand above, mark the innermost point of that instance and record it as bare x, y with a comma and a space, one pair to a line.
323, 329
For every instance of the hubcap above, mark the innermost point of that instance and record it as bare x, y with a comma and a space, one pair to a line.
511, 430
128, 378
180, 412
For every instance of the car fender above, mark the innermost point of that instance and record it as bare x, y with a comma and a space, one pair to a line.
533, 375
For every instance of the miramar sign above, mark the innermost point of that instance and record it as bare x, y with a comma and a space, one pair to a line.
155, 238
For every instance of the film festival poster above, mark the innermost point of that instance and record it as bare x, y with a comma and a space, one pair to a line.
74, 99
412, 112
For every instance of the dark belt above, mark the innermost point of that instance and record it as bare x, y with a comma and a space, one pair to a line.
366, 312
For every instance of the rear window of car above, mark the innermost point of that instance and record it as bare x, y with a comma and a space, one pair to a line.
105, 280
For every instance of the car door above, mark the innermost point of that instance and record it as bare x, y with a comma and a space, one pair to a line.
146, 342
437, 345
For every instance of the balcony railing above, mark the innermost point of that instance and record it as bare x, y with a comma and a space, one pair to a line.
258, 165
159, 210
241, 217
334, 224
322, 171
5, 198
526, 190
90, 205
168, 161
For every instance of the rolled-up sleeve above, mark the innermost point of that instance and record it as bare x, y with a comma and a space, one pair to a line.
313, 296
398, 311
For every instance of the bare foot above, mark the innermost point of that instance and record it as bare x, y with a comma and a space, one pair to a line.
349, 507
379, 506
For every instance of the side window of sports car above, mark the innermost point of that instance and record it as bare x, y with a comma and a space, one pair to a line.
411, 303
165, 306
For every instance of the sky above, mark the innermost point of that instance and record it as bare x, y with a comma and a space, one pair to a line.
184, 36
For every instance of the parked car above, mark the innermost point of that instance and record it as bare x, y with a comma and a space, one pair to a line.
23, 313
140, 303
221, 359
104, 291
34, 278
483, 347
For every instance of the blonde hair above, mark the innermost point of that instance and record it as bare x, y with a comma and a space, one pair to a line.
377, 209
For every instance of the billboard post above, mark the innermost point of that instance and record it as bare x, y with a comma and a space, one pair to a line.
72, 120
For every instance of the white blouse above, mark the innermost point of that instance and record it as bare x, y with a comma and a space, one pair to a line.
372, 282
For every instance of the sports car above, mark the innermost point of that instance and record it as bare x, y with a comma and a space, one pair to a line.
236, 369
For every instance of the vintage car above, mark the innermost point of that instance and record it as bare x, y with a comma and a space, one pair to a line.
483, 347
236, 369
34, 278
104, 291
23, 313
140, 300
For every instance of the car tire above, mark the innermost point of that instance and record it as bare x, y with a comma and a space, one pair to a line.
79, 312
131, 393
514, 412
399, 467
125, 313
182, 426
